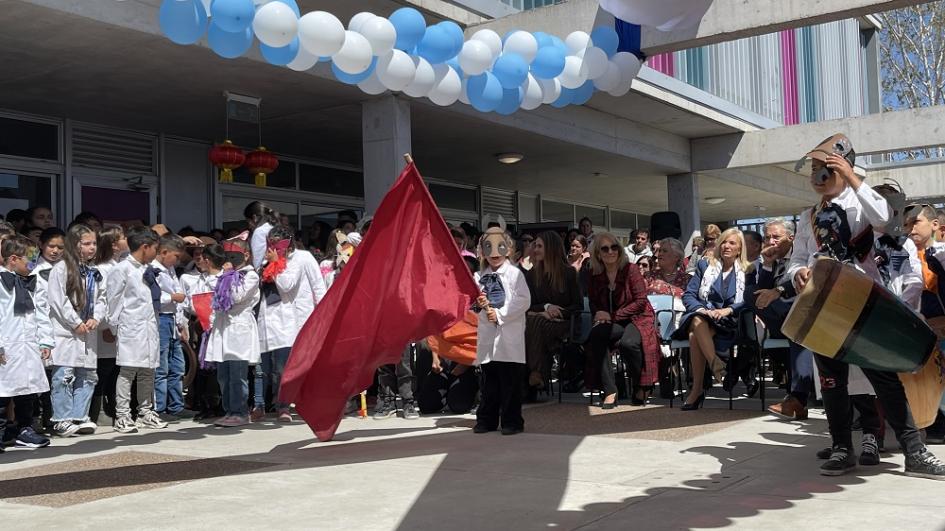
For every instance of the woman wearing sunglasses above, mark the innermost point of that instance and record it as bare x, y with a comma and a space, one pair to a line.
622, 318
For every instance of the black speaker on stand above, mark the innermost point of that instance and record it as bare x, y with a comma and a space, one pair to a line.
665, 225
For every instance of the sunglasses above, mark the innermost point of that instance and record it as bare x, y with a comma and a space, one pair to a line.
610, 248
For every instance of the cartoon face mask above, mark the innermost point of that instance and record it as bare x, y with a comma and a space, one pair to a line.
495, 243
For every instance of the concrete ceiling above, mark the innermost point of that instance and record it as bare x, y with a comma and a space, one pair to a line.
67, 66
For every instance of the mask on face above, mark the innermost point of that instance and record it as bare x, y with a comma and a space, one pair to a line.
495, 243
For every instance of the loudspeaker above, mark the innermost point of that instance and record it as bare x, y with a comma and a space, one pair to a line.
664, 225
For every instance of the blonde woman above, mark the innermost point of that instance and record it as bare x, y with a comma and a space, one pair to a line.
713, 299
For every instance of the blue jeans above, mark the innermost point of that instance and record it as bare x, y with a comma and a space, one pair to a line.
71, 392
169, 375
233, 377
269, 373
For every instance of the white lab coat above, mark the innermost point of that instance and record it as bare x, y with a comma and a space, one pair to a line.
505, 340
131, 316
193, 284
258, 244
234, 335
106, 349
170, 284
42, 270
301, 288
72, 349
863, 207
21, 337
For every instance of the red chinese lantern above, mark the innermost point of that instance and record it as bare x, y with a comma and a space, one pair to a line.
261, 163
226, 157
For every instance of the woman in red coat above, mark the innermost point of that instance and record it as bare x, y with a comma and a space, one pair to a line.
622, 316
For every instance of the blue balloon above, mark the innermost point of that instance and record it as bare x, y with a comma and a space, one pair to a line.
511, 70
484, 92
567, 95
436, 46
511, 101
183, 22
410, 27
543, 39
354, 79
559, 44
233, 15
325, 59
606, 38
229, 44
548, 63
280, 56
583, 93
456, 34
454, 64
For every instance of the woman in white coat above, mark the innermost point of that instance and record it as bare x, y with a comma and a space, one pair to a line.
76, 307
292, 285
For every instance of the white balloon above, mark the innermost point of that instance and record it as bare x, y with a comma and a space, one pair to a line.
355, 55
356, 21
475, 57
533, 95
522, 43
595, 62
463, 96
380, 33
423, 80
275, 24
611, 78
577, 41
447, 86
629, 67
395, 70
372, 85
303, 61
492, 40
321, 33
550, 90
206, 5
574, 74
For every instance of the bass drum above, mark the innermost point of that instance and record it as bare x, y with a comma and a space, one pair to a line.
924, 388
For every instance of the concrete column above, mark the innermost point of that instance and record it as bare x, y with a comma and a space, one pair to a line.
385, 128
683, 190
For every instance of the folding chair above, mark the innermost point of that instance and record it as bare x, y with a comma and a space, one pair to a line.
666, 314
579, 331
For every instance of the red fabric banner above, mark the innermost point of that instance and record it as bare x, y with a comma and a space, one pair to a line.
406, 281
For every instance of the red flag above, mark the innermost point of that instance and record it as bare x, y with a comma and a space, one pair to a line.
406, 281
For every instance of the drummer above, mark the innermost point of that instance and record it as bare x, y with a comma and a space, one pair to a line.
841, 226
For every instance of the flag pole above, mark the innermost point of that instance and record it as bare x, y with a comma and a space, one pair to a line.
408, 158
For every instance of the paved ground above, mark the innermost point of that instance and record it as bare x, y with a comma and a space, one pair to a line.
632, 468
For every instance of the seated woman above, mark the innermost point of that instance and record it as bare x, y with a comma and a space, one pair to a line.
555, 296
622, 315
713, 299
669, 277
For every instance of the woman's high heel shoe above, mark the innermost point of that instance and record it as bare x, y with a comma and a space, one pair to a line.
717, 365
611, 405
695, 405
640, 401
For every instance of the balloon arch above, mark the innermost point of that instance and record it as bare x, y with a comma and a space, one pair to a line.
521, 70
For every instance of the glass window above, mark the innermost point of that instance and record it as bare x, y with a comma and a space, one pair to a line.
326, 219
623, 220
23, 191
643, 222
29, 139
555, 211
454, 197
527, 208
332, 181
598, 215
233, 212
283, 177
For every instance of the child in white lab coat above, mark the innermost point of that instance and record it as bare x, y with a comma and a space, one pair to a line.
27, 339
234, 338
500, 349
76, 298
134, 299
172, 330
112, 249
52, 247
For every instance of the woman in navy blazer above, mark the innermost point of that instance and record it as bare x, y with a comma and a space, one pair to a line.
713, 299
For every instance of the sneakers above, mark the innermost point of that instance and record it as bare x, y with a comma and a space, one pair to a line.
125, 425
869, 452
410, 410
924, 464
284, 416
151, 421
222, 421
824, 453
479, 428
257, 414
385, 409
790, 409
232, 421
840, 462
87, 428
66, 428
30, 439
511, 431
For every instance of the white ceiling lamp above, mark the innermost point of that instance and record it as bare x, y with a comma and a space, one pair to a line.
509, 158
714, 200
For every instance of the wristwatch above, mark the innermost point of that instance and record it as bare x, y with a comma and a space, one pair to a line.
780, 290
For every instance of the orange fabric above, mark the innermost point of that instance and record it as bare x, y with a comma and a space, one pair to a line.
458, 343
929, 276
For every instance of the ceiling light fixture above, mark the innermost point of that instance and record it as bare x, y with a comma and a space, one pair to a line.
714, 200
509, 158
